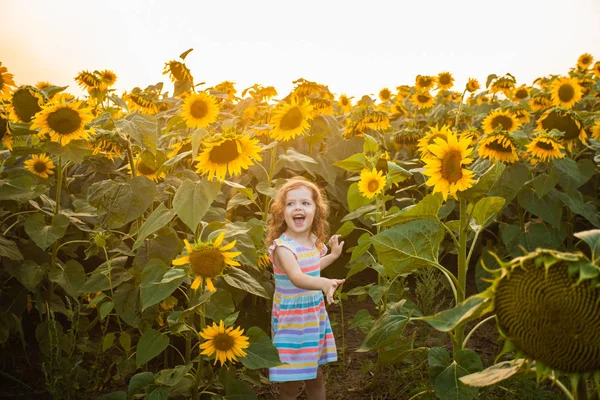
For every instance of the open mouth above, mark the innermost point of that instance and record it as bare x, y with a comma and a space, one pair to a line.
299, 219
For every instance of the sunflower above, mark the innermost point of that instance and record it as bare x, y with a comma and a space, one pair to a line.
63, 121
180, 146
371, 183
107, 79
373, 119
385, 94
545, 148
227, 343
25, 103
291, 119
424, 82
227, 154
263, 259
540, 101
261, 125
423, 99
403, 91
504, 84
482, 99
136, 101
429, 139
43, 85
41, 165
566, 121
521, 93
565, 92
584, 61
177, 71
445, 167
88, 80
320, 106
500, 119
522, 114
200, 110
472, 85
208, 260
228, 88
345, 103
472, 134
546, 307
597, 69
143, 169
594, 129
107, 148
498, 147
5, 138
6, 82
445, 80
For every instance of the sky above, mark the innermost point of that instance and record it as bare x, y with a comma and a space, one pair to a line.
353, 47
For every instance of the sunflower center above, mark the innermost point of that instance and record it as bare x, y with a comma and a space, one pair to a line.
292, 119
422, 98
505, 121
64, 121
544, 145
3, 127
25, 104
223, 342
199, 109
385, 94
207, 262
521, 94
225, 152
344, 101
451, 169
373, 185
144, 169
566, 93
40, 166
444, 79
498, 147
585, 61
424, 82
563, 123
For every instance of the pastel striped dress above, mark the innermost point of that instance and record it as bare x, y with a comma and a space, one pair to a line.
300, 326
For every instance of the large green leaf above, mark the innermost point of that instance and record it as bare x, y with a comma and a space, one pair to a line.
359, 212
438, 360
70, 277
219, 306
406, 247
193, 199
127, 303
510, 182
45, 235
261, 353
484, 184
473, 307
30, 274
448, 385
426, 208
387, 329
151, 344
240, 279
154, 288
354, 163
544, 183
9, 249
143, 129
485, 211
571, 174
592, 238
494, 374
159, 218
74, 151
138, 382
22, 189
355, 199
122, 202
171, 377
574, 200
548, 208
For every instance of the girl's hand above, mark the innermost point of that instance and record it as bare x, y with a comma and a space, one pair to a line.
335, 245
330, 287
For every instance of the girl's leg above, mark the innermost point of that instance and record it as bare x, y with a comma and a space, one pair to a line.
315, 388
289, 390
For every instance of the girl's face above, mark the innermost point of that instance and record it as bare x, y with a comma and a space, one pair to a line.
299, 210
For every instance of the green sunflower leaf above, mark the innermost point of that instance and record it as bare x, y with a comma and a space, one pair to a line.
387, 329
9, 249
159, 218
193, 199
153, 289
427, 208
354, 163
151, 344
261, 353
240, 279
355, 199
45, 235
592, 238
484, 184
448, 385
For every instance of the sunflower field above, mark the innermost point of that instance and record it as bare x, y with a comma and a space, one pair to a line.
132, 254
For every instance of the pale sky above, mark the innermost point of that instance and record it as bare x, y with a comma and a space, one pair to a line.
354, 47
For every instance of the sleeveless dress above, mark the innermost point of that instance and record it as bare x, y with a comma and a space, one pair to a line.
300, 326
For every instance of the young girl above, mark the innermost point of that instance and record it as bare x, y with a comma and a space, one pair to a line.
301, 330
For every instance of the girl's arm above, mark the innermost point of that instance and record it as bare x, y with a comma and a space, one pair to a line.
336, 249
287, 261
327, 260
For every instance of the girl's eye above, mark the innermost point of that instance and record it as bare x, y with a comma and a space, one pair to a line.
306, 203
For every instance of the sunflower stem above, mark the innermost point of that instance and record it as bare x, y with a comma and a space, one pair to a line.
462, 271
130, 159
200, 368
460, 106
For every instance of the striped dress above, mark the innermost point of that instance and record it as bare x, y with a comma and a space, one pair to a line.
300, 325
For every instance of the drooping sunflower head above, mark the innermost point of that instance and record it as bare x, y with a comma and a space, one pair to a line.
41, 165
584, 61
107, 78
546, 306
345, 103
445, 80
371, 183
566, 121
501, 120
373, 119
430, 137
424, 82
25, 103
43, 85
545, 147
6, 83
88, 80
482, 99
596, 69
472, 85
498, 146
5, 137
107, 146
540, 101
423, 99
565, 92
472, 134
177, 71
228, 154
63, 121
291, 119
385, 94
199, 110
147, 169
306, 88
521, 93
228, 88
504, 84
595, 130
521, 113
445, 167
320, 106
180, 146
227, 343
139, 101
207, 260
403, 91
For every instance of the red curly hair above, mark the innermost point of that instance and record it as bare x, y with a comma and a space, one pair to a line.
276, 222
